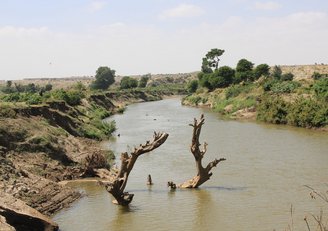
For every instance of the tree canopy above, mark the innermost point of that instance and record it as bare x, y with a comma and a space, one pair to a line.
104, 78
211, 60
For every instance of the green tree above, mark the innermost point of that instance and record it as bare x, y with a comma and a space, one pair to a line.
192, 86
226, 73
261, 70
128, 82
276, 72
9, 83
204, 80
244, 71
244, 65
143, 81
104, 78
211, 60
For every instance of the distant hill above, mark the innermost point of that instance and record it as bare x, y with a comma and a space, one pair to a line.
304, 71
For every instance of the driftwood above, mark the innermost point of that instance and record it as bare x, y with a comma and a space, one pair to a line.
116, 188
203, 174
93, 162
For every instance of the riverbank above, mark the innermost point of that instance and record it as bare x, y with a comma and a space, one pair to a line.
300, 103
45, 144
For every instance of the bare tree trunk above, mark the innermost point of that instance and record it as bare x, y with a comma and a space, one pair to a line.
203, 174
116, 188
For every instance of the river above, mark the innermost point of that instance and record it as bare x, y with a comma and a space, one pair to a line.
265, 172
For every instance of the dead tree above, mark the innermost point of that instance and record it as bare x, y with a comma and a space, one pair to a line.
93, 162
116, 188
203, 174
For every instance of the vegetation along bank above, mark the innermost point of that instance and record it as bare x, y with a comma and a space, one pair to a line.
50, 132
294, 95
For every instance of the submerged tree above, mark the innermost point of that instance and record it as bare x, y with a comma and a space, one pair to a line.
203, 174
116, 187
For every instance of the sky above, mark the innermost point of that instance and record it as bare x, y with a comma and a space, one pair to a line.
63, 38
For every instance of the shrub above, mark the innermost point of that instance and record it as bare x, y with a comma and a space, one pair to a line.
72, 97
287, 77
320, 88
143, 80
308, 113
276, 72
272, 109
33, 99
128, 82
261, 70
192, 86
285, 87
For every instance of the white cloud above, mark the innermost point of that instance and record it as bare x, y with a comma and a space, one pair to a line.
182, 11
267, 5
299, 38
95, 6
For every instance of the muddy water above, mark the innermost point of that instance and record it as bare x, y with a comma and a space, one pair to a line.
266, 169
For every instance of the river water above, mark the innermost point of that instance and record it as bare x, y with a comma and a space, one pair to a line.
264, 175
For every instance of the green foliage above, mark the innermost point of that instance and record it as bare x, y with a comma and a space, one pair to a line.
192, 86
237, 104
11, 97
79, 86
308, 113
33, 99
236, 89
128, 82
144, 80
221, 77
71, 97
194, 100
303, 112
272, 109
316, 75
204, 80
98, 129
211, 60
287, 77
320, 88
276, 72
244, 65
104, 78
243, 76
100, 112
29, 88
261, 70
284, 87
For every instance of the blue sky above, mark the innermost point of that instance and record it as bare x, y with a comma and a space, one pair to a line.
48, 38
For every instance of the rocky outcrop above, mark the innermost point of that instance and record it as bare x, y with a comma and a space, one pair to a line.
22, 217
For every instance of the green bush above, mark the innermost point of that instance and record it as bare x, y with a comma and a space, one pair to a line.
33, 99
192, 86
320, 88
287, 77
285, 86
71, 97
128, 82
235, 90
308, 113
272, 109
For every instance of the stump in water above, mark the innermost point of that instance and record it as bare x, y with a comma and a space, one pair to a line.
203, 174
116, 188
149, 180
